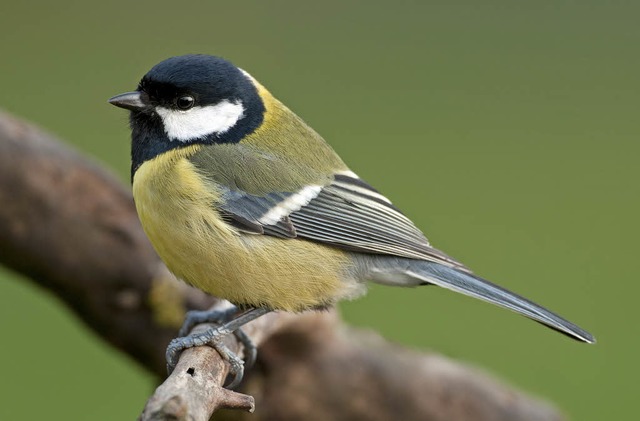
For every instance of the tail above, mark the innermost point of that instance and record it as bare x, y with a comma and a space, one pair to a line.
408, 272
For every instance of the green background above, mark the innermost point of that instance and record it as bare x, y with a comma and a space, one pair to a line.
508, 130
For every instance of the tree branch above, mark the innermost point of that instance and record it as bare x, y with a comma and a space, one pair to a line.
194, 389
71, 227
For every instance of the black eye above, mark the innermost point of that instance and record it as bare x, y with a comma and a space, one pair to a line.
185, 102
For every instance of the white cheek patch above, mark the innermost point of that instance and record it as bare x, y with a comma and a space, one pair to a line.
199, 121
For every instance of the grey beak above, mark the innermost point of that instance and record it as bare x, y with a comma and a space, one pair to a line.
134, 101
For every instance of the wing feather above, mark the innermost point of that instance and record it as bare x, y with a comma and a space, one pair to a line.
244, 211
347, 213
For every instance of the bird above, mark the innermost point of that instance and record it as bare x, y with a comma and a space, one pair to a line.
245, 201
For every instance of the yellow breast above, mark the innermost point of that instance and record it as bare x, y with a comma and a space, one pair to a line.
177, 210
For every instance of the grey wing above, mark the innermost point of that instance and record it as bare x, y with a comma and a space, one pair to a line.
351, 214
347, 213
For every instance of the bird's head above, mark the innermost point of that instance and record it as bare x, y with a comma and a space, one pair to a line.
190, 99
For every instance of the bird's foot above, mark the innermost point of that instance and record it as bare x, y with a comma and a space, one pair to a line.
213, 338
196, 317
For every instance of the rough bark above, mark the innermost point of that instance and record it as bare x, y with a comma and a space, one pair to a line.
71, 227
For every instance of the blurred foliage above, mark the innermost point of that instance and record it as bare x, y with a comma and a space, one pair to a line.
507, 130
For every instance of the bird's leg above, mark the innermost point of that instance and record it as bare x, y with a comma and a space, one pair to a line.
196, 317
212, 337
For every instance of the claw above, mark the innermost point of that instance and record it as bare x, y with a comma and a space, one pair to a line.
250, 350
236, 365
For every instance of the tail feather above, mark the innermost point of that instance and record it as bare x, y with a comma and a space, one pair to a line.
474, 286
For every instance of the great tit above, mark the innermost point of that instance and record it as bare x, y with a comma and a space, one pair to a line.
242, 199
